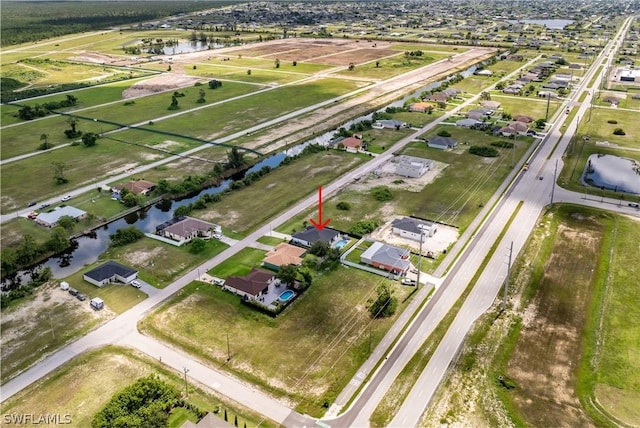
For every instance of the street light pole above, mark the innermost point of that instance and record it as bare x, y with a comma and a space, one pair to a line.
228, 349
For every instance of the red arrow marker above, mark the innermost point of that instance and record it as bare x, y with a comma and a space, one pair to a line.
320, 224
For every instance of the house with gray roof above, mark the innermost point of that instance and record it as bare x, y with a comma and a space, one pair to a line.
413, 228
311, 235
388, 124
387, 257
110, 272
442, 143
50, 219
467, 123
184, 229
412, 166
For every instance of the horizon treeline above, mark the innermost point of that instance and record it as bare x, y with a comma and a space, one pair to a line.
32, 21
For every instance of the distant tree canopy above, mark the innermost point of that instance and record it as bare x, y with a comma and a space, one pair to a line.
22, 22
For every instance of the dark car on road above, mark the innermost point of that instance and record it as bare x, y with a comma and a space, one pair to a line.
43, 206
31, 204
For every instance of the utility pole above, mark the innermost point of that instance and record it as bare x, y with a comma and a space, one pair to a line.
420, 258
553, 184
546, 116
228, 349
506, 284
186, 385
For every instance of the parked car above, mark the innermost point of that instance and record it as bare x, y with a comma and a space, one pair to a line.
407, 281
31, 204
73, 291
414, 270
136, 283
217, 236
66, 198
32, 215
43, 206
64, 286
81, 297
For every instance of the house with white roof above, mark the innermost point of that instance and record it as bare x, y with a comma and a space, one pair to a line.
50, 219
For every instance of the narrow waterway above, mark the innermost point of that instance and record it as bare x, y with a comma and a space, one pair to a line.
88, 248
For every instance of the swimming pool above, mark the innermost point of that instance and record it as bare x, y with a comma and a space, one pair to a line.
286, 295
341, 244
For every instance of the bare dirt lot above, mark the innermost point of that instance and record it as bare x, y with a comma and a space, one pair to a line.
162, 83
41, 325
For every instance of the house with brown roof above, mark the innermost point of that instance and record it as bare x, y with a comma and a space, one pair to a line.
283, 254
421, 107
184, 229
438, 97
351, 144
253, 285
137, 187
523, 118
514, 128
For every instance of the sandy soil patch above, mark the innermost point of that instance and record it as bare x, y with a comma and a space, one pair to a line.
162, 83
121, 168
145, 259
440, 241
386, 176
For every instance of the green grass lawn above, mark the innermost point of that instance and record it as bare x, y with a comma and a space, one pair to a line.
258, 75
244, 209
83, 166
240, 264
429, 47
159, 263
81, 387
307, 354
389, 67
378, 140
153, 106
529, 106
455, 197
270, 240
417, 119
234, 116
87, 97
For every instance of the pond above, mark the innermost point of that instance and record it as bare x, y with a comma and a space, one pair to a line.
613, 173
553, 24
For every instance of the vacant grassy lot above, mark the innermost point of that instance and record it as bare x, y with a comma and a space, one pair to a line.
84, 385
306, 354
240, 264
159, 263
87, 97
234, 116
244, 209
529, 106
454, 197
429, 48
393, 66
257, 75
42, 73
564, 347
83, 165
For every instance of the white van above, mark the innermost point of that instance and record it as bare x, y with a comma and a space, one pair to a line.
97, 303
64, 286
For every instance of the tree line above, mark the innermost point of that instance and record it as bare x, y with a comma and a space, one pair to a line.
22, 22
